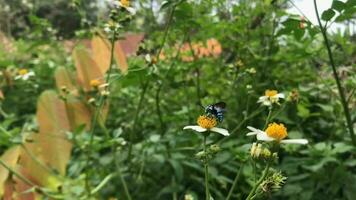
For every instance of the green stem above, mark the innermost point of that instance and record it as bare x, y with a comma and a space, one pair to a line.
97, 114
265, 172
122, 179
235, 182
206, 170
337, 79
268, 118
27, 181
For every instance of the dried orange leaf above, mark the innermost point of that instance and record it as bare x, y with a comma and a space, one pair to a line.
120, 58
10, 158
52, 140
87, 69
64, 79
101, 53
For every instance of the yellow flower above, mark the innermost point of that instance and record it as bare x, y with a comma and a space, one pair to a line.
271, 93
125, 3
94, 83
276, 131
23, 72
207, 123
270, 97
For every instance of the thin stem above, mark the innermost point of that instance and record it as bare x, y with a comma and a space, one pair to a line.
122, 179
337, 79
268, 117
235, 182
138, 109
24, 179
97, 114
206, 170
265, 172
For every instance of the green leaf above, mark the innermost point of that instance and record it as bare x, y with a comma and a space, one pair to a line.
177, 168
338, 5
328, 14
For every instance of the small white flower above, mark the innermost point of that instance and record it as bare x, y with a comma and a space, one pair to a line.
24, 74
274, 132
206, 123
270, 97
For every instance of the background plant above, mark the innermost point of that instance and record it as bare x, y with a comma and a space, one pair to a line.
263, 47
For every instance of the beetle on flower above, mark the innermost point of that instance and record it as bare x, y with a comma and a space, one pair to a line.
274, 132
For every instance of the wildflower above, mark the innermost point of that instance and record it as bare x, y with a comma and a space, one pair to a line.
92, 101
251, 70
257, 151
293, 95
188, 197
94, 83
124, 4
270, 97
273, 183
24, 74
275, 132
239, 63
207, 123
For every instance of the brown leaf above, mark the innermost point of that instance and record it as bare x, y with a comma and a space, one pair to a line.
87, 69
65, 78
10, 158
53, 126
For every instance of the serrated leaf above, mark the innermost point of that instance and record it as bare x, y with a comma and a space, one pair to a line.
328, 14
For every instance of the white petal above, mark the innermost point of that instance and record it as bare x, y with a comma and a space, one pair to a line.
280, 95
267, 103
222, 131
196, 128
262, 99
264, 137
295, 141
255, 130
31, 73
132, 11
251, 133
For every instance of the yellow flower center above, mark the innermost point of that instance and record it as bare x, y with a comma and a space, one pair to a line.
23, 72
94, 83
125, 3
276, 131
207, 122
271, 93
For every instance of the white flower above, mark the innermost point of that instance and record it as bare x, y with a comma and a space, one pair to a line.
206, 123
24, 74
274, 132
270, 97
123, 4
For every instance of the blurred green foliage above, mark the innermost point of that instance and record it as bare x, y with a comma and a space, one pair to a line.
152, 103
